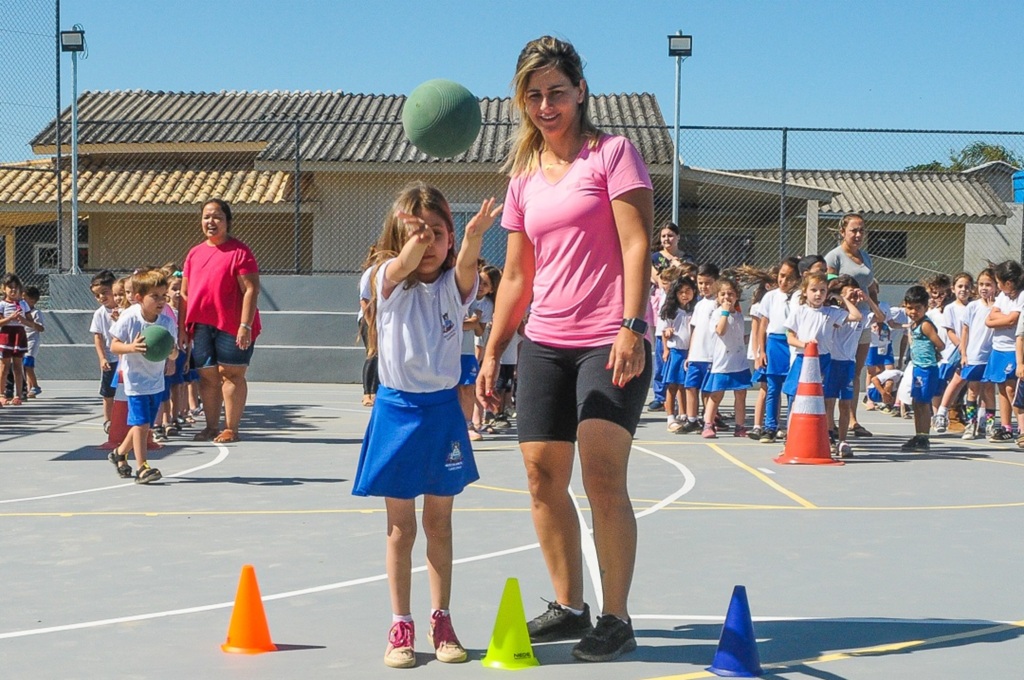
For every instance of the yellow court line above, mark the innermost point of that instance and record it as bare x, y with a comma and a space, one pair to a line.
199, 513
763, 477
1000, 462
877, 650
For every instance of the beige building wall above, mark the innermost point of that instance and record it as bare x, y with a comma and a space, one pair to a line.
352, 207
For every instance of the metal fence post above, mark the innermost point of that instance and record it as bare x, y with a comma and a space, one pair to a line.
781, 200
298, 195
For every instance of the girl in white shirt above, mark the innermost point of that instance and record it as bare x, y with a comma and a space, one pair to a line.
730, 370
813, 321
975, 350
416, 443
1002, 365
674, 322
953, 320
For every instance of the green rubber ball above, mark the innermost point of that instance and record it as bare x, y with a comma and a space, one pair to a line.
159, 342
441, 118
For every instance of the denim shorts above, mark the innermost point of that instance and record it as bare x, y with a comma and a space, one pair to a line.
213, 347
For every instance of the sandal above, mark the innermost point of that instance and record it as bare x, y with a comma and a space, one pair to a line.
147, 474
226, 437
205, 434
120, 461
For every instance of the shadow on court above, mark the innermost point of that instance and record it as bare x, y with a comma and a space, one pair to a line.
794, 644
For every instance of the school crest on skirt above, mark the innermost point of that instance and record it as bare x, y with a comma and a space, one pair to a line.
454, 459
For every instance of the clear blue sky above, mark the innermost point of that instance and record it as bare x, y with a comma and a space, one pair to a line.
869, 63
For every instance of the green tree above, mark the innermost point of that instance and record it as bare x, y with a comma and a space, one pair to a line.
972, 155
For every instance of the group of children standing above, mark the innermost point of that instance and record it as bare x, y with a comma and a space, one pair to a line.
20, 326
162, 396
961, 334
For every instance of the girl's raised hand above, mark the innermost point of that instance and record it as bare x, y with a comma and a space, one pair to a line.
417, 228
483, 219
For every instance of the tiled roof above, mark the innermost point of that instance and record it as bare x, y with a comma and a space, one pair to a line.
918, 194
149, 181
340, 127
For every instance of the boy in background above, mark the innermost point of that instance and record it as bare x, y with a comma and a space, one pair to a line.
31, 297
925, 346
102, 287
143, 379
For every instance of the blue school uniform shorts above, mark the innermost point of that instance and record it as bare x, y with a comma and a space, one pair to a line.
142, 409
925, 383
1002, 366
839, 379
673, 372
696, 372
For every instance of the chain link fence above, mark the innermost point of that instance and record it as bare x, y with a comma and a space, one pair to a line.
747, 195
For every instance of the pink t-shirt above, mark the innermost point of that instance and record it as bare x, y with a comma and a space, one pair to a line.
578, 287
214, 295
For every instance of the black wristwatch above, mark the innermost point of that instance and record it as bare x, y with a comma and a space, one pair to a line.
637, 325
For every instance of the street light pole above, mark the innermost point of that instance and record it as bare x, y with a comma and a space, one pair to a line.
74, 42
679, 46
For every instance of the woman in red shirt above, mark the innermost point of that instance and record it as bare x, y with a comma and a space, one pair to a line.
219, 288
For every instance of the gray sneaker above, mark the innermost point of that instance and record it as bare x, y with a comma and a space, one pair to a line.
558, 623
940, 423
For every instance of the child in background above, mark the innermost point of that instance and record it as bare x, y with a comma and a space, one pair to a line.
178, 407
31, 298
674, 326
490, 279
658, 294
14, 319
103, 287
416, 443
730, 369
925, 347
839, 381
505, 385
882, 388
143, 379
814, 321
940, 295
763, 282
949, 373
975, 350
1002, 367
472, 328
698, 362
776, 356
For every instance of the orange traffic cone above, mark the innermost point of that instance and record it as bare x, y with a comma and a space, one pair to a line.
807, 434
118, 429
248, 632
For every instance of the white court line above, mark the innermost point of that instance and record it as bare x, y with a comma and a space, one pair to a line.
589, 551
687, 486
220, 458
767, 471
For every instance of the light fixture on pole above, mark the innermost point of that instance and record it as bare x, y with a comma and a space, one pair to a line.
74, 42
679, 46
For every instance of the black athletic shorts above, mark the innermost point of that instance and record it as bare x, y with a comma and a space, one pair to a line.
559, 388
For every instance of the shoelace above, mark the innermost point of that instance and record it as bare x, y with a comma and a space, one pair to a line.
402, 634
443, 631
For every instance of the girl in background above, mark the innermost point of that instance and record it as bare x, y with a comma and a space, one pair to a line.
675, 336
730, 370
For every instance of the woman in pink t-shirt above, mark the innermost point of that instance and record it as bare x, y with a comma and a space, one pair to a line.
579, 212
220, 284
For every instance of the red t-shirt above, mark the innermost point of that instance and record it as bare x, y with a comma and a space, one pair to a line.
214, 294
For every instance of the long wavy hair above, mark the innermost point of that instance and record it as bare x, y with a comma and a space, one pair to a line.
416, 199
539, 55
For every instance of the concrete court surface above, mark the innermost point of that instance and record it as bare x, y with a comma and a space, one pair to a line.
892, 566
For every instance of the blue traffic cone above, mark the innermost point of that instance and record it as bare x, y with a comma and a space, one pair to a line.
737, 655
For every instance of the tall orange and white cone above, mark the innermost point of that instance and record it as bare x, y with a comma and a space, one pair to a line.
807, 434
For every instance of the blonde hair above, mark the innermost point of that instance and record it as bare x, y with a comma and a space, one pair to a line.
415, 198
809, 278
539, 55
145, 281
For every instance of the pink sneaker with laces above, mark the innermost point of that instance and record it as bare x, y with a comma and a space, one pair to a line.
447, 647
400, 652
